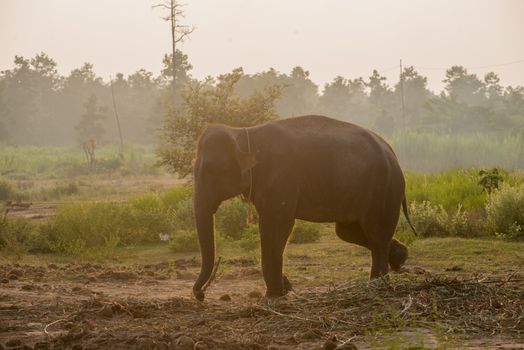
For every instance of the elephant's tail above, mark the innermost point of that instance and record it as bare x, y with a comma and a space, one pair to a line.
406, 214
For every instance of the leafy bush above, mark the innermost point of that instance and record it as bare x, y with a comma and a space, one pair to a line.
172, 198
305, 232
505, 212
184, 241
16, 236
231, 218
151, 218
79, 226
7, 191
250, 239
184, 218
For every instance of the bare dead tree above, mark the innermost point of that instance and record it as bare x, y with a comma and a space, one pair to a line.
179, 31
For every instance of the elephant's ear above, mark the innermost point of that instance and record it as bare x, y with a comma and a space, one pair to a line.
246, 161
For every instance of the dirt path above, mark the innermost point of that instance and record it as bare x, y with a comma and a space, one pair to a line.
95, 306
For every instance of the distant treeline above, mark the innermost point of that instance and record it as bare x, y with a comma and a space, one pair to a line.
38, 106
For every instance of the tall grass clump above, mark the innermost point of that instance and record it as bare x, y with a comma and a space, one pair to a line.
77, 227
448, 189
18, 236
7, 192
505, 212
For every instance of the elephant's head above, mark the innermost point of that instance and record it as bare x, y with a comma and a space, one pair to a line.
220, 172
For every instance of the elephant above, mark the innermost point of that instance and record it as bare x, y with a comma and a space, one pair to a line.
312, 168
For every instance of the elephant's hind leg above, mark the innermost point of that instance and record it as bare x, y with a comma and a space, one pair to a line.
398, 253
352, 232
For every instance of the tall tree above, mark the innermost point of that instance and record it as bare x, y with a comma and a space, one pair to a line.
179, 32
464, 87
416, 95
210, 101
90, 128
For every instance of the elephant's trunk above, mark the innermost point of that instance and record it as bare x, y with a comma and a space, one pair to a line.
206, 238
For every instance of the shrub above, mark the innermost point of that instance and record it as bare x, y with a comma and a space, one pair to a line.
79, 226
305, 232
150, 218
184, 217
429, 220
465, 224
231, 218
184, 241
250, 239
7, 191
172, 198
83, 225
505, 212
16, 236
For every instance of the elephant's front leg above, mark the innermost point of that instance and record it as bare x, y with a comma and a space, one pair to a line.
276, 222
273, 239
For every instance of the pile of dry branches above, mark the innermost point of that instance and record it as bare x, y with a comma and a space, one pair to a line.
485, 304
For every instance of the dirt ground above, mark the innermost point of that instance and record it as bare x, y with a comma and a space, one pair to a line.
100, 306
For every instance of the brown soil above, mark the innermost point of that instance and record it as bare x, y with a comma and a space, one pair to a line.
98, 306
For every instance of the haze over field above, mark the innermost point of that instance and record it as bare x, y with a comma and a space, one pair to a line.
328, 38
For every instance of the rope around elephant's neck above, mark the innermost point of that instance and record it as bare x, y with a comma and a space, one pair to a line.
250, 170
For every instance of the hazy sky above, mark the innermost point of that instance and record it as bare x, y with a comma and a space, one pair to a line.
328, 38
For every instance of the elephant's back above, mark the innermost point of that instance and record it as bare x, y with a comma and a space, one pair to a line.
340, 166
334, 140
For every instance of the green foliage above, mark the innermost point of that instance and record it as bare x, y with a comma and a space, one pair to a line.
210, 102
448, 189
7, 192
185, 215
172, 198
101, 224
505, 212
60, 162
90, 126
429, 220
184, 241
490, 179
305, 232
249, 239
17, 236
231, 218
433, 220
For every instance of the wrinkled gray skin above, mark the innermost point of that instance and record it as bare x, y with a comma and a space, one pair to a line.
311, 168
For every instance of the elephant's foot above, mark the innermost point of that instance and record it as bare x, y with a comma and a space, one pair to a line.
398, 253
280, 292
